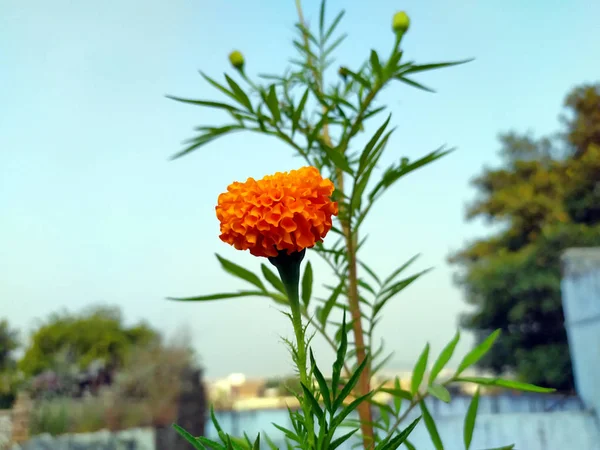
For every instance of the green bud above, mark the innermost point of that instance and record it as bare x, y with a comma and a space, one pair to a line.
236, 59
343, 72
400, 22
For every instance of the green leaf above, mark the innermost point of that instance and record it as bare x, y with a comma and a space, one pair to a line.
470, 419
273, 104
240, 95
413, 83
507, 447
339, 441
431, 427
337, 158
325, 394
307, 283
394, 289
214, 420
399, 270
298, 112
419, 371
397, 392
270, 443
409, 446
209, 443
394, 173
338, 365
322, 18
397, 398
330, 303
313, 401
256, 445
188, 437
205, 138
508, 384
366, 153
348, 409
240, 272
220, 87
439, 392
375, 64
335, 45
204, 298
392, 64
272, 278
370, 272
289, 433
334, 24
210, 104
359, 79
444, 357
347, 389
478, 352
414, 68
402, 436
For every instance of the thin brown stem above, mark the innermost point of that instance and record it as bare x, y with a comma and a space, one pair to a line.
364, 382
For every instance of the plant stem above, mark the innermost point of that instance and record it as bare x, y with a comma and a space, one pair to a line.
289, 272
364, 382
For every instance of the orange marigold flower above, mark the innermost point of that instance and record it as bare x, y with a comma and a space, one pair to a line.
286, 211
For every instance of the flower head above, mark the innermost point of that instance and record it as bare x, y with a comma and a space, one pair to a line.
236, 59
287, 211
400, 22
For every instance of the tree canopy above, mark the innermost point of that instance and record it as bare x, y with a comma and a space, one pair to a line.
545, 198
98, 334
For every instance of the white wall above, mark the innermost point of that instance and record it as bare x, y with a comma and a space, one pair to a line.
581, 303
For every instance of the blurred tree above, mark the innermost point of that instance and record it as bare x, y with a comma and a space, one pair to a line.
9, 342
544, 199
77, 340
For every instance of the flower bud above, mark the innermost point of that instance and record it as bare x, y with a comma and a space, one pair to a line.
343, 72
236, 59
400, 22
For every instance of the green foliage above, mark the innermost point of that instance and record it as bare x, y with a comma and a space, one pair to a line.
546, 197
8, 344
97, 334
8, 377
320, 121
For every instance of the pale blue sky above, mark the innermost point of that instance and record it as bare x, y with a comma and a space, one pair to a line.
92, 211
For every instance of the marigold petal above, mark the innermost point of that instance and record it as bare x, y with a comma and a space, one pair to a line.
286, 211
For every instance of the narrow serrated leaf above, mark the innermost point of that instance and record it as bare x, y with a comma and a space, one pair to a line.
439, 392
413, 83
431, 427
325, 394
307, 284
188, 437
239, 93
337, 158
402, 436
375, 64
508, 384
470, 419
273, 104
419, 370
443, 358
414, 68
210, 297
272, 278
334, 25
208, 103
478, 352
340, 358
240, 272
